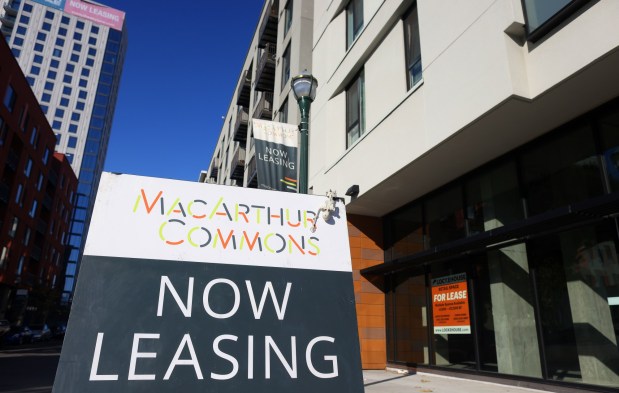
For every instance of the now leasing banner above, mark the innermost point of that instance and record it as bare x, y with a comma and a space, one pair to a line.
450, 305
192, 287
276, 155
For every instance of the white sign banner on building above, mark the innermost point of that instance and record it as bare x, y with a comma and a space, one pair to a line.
277, 145
203, 288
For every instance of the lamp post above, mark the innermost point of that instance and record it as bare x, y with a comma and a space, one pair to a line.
304, 89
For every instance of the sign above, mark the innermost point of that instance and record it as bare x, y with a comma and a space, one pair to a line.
196, 287
276, 155
57, 4
450, 305
95, 12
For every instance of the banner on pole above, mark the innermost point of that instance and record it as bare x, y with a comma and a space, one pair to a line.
193, 287
277, 145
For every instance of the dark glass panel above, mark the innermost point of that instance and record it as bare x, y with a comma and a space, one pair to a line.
445, 216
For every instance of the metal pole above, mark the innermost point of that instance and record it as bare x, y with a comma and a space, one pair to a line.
304, 106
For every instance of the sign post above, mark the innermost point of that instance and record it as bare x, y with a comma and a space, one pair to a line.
204, 288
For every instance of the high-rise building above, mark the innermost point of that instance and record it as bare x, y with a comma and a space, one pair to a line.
36, 192
477, 143
72, 53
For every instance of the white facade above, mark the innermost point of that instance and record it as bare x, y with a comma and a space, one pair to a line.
486, 89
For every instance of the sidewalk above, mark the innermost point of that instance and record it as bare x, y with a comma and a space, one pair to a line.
382, 381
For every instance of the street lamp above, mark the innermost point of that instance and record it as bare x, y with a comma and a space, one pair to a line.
304, 89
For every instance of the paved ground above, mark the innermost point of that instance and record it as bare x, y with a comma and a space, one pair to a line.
379, 381
29, 368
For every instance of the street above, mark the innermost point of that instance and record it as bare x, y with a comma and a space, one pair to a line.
29, 368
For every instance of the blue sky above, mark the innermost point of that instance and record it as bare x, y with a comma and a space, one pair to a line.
181, 68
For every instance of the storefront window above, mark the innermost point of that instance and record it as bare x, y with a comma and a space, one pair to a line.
445, 216
562, 171
493, 199
609, 130
406, 231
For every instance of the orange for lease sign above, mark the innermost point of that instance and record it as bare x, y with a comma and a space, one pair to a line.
450, 305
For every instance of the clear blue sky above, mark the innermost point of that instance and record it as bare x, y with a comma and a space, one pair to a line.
181, 68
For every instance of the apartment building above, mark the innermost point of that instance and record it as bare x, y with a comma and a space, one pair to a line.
280, 48
36, 193
476, 142
480, 138
72, 53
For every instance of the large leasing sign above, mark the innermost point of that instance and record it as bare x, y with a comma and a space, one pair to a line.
95, 12
202, 288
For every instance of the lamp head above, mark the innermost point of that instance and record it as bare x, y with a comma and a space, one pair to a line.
304, 85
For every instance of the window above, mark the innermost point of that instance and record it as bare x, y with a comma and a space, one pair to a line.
54, 63
286, 67
9, 98
33, 209
45, 158
75, 57
62, 32
90, 62
80, 106
94, 30
67, 90
14, 226
59, 113
539, 11
355, 110
38, 47
83, 83
67, 79
79, 25
21, 30
75, 116
412, 46
92, 41
70, 68
41, 36
49, 15
28, 168
51, 74
73, 128
49, 86
46, 26
16, 52
288, 21
72, 142
82, 94
85, 72
24, 19
30, 80
77, 47
92, 52
354, 21
38, 59
18, 41
64, 102
65, 20
35, 70
19, 194
60, 42
57, 125
57, 52
283, 111
34, 138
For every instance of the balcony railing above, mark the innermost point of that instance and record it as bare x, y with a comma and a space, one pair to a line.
244, 89
268, 28
8, 20
237, 166
264, 107
265, 72
252, 173
240, 127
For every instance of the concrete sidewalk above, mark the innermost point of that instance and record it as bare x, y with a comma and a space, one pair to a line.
383, 381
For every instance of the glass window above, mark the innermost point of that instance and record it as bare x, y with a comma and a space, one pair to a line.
283, 111
286, 67
73, 128
540, 11
33, 209
45, 158
59, 113
94, 29
72, 142
30, 80
35, 70
57, 125
79, 25
67, 79
355, 110
75, 57
57, 52
21, 30
80, 106
609, 131
561, 171
354, 21
34, 137
41, 36
92, 41
54, 63
92, 52
77, 47
28, 168
64, 102
75, 116
70, 68
24, 19
85, 72
288, 21
45, 108
16, 52
412, 46
51, 74
46, 26
49, 86
18, 41
62, 32
405, 229
90, 61
60, 42
64, 20
38, 47
82, 94
66, 90
19, 194
493, 199
445, 216
10, 97
77, 36
49, 15
38, 59
83, 83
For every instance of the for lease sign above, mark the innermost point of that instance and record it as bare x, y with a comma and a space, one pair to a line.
450, 305
204, 288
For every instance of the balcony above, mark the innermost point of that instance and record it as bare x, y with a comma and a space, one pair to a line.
252, 173
268, 28
8, 20
237, 166
240, 127
10, 10
244, 90
265, 72
264, 107
214, 168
